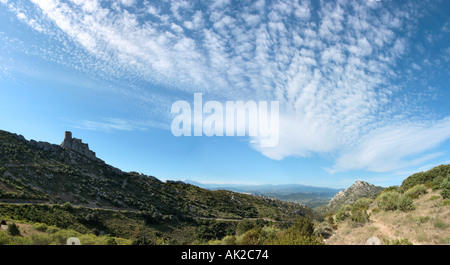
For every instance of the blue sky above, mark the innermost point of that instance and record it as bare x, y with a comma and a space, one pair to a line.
363, 86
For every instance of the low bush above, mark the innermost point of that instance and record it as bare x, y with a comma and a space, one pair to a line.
436, 183
362, 204
405, 203
403, 241
343, 212
388, 200
393, 200
40, 227
445, 188
416, 191
359, 217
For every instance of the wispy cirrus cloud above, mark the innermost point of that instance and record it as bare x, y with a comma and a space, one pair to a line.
113, 124
395, 147
330, 64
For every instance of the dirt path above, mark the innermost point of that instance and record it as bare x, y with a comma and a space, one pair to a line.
384, 229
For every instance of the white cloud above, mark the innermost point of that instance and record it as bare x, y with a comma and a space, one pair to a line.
301, 136
128, 2
394, 147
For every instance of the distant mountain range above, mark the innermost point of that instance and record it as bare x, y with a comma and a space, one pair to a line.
308, 195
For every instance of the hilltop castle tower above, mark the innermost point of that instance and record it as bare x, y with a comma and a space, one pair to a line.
77, 145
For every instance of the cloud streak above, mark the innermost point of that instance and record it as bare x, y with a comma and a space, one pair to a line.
113, 124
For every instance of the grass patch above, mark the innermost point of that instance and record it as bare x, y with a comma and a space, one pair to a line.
422, 219
440, 224
434, 197
446, 202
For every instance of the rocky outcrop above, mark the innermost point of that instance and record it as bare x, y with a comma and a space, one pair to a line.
360, 189
77, 145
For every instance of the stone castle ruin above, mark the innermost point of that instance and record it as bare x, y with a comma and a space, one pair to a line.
77, 145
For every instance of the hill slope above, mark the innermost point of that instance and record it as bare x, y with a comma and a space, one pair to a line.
427, 224
417, 212
33, 171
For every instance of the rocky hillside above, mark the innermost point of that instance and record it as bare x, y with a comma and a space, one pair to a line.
360, 189
38, 172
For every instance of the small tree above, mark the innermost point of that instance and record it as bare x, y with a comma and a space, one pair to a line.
13, 230
68, 206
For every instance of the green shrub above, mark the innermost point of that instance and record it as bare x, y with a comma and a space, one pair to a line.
405, 203
52, 229
5, 239
362, 204
303, 226
436, 183
293, 237
40, 227
38, 239
445, 188
393, 188
388, 200
358, 212
403, 241
330, 220
19, 240
68, 206
228, 240
111, 241
268, 233
251, 237
392, 200
343, 212
244, 226
300, 233
376, 210
359, 216
416, 191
